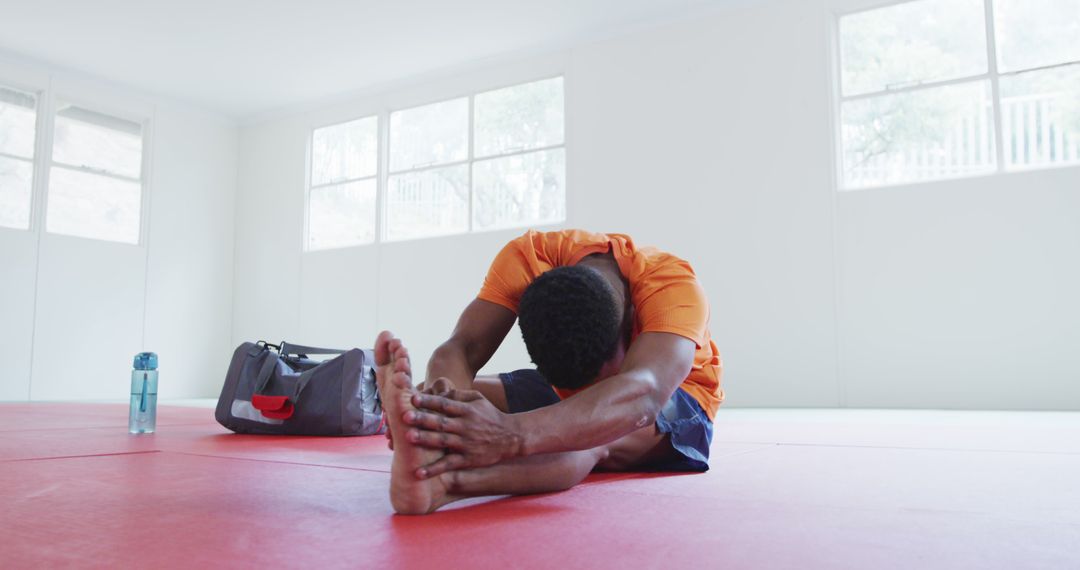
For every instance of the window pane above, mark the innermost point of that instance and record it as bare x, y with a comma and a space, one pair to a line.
1033, 33
428, 203
342, 215
344, 152
929, 134
15, 189
519, 118
17, 114
1040, 117
89, 139
433, 134
93, 206
915, 42
518, 190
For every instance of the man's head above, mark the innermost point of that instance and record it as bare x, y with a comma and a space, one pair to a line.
571, 321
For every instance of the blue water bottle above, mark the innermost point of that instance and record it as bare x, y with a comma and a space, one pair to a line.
143, 416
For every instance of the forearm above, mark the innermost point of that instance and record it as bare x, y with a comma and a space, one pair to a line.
594, 417
450, 361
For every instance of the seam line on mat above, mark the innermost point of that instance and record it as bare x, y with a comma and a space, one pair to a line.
111, 426
256, 459
81, 456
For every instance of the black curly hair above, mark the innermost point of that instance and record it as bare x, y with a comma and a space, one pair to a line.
570, 322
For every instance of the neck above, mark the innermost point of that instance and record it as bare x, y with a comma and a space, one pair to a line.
607, 266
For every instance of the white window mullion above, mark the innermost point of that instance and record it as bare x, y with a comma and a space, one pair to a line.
305, 239
42, 160
96, 172
995, 89
381, 193
472, 158
341, 182
916, 87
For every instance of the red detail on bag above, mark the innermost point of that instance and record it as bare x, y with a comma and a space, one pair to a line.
273, 407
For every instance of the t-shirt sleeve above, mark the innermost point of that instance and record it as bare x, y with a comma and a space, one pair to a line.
670, 299
514, 268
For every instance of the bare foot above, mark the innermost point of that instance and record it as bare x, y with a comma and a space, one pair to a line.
408, 495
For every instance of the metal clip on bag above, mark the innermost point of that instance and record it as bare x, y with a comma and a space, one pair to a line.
284, 392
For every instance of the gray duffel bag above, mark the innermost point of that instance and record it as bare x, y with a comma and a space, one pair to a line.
284, 392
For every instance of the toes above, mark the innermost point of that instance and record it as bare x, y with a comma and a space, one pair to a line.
401, 361
402, 380
382, 348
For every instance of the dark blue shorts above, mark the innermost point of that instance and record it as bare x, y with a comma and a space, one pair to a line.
682, 418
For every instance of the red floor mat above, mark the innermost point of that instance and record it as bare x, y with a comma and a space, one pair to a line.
194, 496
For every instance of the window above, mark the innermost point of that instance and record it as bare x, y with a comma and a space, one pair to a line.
520, 174
487, 161
95, 183
493, 160
428, 188
18, 113
936, 89
343, 185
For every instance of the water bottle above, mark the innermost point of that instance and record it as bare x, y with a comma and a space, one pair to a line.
143, 416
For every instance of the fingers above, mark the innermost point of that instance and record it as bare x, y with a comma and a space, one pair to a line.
433, 422
439, 387
451, 394
382, 348
448, 462
465, 395
439, 404
436, 439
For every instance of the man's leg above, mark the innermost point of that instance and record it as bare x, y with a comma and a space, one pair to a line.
491, 388
538, 474
643, 447
560, 471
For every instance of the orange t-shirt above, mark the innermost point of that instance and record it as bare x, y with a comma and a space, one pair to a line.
663, 289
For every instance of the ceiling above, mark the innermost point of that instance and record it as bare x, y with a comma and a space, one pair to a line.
246, 57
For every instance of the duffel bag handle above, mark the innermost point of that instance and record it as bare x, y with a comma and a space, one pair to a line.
301, 350
286, 349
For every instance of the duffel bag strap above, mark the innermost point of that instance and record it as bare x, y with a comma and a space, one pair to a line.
265, 372
288, 348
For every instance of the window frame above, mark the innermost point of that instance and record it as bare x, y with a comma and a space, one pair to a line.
841, 9
383, 173
48, 89
104, 107
39, 95
384, 206
310, 173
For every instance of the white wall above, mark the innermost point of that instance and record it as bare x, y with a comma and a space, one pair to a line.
712, 139
74, 311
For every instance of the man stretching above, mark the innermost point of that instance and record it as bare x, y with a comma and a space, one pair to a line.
627, 376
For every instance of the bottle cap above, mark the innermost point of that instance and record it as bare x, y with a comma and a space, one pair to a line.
146, 361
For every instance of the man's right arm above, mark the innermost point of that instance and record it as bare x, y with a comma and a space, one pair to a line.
478, 333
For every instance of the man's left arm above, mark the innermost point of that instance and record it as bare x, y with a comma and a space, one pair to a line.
477, 434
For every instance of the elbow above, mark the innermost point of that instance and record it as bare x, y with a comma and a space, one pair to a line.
443, 349
651, 398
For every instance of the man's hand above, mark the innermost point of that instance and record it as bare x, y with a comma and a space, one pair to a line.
471, 429
440, 387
